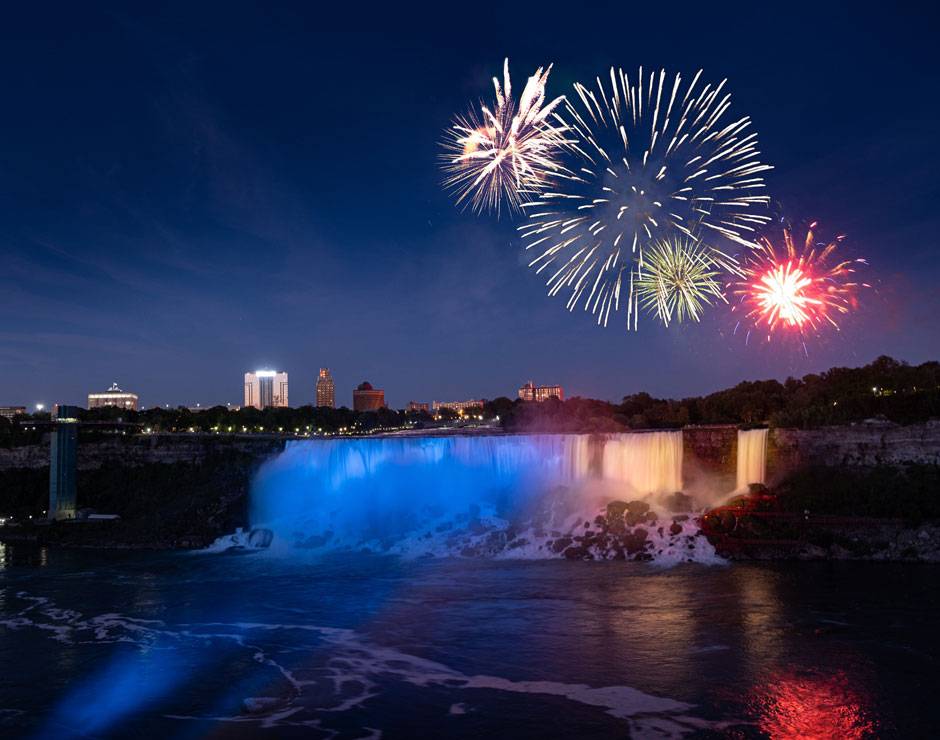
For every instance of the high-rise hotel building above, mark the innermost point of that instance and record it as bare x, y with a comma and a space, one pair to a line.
326, 392
266, 388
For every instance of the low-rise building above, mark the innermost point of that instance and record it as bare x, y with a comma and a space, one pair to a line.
8, 412
115, 397
367, 398
473, 403
417, 406
532, 392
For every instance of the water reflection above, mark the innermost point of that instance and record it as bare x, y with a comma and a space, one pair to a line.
779, 651
22, 554
810, 705
759, 607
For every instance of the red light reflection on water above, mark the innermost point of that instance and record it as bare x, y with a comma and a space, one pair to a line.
812, 706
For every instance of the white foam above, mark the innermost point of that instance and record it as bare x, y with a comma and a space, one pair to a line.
356, 670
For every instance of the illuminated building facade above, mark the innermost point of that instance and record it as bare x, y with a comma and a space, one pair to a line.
266, 388
417, 406
8, 412
115, 397
326, 391
458, 406
367, 398
532, 392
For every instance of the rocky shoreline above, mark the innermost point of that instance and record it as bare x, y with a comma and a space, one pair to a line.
871, 540
624, 530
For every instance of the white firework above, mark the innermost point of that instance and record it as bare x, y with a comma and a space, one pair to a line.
502, 156
654, 159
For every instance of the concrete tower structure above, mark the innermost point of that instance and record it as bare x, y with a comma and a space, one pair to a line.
63, 463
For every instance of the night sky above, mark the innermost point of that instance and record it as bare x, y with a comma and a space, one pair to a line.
193, 193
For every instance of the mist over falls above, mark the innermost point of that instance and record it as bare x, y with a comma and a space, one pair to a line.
526, 496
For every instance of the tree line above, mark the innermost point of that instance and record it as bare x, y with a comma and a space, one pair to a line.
884, 389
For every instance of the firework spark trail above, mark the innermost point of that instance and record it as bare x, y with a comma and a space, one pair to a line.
498, 157
655, 159
797, 291
678, 278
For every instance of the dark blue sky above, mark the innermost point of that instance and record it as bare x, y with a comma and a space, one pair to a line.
190, 193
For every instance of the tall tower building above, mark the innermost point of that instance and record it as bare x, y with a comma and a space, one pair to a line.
326, 392
266, 388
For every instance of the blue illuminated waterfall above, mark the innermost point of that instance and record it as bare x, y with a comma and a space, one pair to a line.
400, 494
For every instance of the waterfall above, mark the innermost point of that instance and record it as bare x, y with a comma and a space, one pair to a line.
528, 496
647, 462
752, 457
352, 491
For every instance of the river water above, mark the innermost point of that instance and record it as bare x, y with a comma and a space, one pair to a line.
112, 644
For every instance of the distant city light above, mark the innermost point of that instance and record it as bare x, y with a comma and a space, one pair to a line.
40, 407
265, 373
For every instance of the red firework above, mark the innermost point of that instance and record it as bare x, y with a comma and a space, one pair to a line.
799, 291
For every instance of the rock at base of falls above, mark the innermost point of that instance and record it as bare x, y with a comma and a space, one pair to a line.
631, 530
260, 538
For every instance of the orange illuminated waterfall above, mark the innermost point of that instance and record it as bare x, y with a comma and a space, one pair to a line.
752, 457
648, 462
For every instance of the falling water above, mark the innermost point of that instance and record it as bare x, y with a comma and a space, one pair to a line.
386, 490
647, 462
752, 457
505, 496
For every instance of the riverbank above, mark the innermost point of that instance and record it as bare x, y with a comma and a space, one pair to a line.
625, 530
159, 505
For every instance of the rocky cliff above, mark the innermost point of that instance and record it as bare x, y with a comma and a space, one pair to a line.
169, 491
867, 445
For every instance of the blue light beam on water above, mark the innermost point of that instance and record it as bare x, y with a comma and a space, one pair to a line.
128, 684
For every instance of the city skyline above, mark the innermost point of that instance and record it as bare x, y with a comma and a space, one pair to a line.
308, 397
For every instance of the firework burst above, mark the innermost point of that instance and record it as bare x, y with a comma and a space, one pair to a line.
798, 289
495, 158
656, 158
678, 278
